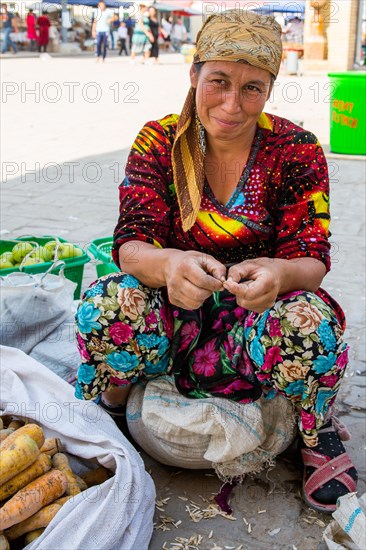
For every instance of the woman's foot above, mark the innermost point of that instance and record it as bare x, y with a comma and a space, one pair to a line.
328, 471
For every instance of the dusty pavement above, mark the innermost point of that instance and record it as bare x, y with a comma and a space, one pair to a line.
67, 124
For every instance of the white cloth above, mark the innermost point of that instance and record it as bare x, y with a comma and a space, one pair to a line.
103, 18
122, 32
178, 32
114, 515
218, 433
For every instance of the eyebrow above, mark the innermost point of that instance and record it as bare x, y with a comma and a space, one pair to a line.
254, 81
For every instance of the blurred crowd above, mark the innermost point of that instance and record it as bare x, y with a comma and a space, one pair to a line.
144, 35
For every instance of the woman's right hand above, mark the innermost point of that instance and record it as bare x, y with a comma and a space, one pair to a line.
192, 277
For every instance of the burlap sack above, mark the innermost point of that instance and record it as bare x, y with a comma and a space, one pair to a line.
232, 438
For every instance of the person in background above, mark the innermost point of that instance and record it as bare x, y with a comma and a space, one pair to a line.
166, 25
178, 35
142, 36
294, 31
155, 31
114, 26
31, 22
8, 26
122, 38
101, 29
44, 24
130, 24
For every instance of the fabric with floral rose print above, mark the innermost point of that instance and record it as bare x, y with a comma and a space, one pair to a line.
126, 331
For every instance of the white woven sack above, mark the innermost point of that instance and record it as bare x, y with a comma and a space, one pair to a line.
348, 529
202, 433
115, 515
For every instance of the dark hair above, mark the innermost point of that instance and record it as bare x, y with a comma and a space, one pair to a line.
198, 66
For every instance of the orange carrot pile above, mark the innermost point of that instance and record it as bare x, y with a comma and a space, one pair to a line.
34, 486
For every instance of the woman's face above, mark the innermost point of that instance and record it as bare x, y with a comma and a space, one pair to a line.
230, 97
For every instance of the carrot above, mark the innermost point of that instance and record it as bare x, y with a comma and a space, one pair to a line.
4, 545
32, 430
32, 535
61, 501
40, 466
40, 519
32, 497
51, 446
97, 476
6, 418
4, 433
17, 457
81, 483
16, 424
61, 462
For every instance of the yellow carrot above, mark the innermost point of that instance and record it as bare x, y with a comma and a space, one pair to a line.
32, 497
4, 545
97, 476
51, 446
40, 466
32, 430
33, 535
40, 519
17, 457
61, 501
81, 483
16, 424
60, 461
4, 433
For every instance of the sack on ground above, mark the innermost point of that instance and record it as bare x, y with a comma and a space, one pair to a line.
233, 438
114, 515
348, 529
33, 306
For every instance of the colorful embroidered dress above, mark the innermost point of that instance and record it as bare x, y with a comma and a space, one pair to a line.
279, 209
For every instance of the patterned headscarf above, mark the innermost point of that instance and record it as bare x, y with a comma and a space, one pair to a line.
234, 35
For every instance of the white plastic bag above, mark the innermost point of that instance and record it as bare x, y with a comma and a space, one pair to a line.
32, 306
116, 515
348, 529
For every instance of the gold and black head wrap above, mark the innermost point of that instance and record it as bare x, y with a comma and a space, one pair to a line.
233, 35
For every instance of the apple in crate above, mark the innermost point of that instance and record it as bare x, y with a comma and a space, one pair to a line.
5, 263
7, 256
20, 250
68, 250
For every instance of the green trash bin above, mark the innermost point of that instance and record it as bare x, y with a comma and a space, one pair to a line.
348, 113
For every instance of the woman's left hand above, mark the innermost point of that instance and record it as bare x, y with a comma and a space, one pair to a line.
262, 287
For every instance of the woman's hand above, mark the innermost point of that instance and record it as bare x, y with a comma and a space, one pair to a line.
261, 289
192, 277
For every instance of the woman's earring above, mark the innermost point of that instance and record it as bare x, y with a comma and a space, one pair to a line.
201, 136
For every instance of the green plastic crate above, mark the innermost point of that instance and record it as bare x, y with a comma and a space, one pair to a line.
101, 250
74, 267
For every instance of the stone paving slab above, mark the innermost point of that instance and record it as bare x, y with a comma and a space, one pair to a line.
78, 209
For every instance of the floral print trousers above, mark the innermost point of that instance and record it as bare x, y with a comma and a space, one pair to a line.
127, 331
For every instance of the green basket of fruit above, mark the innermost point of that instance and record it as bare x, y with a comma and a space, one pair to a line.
37, 254
101, 250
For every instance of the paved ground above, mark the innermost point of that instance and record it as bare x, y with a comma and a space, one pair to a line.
73, 133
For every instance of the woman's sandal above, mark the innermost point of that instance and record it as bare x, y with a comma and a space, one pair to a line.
328, 471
